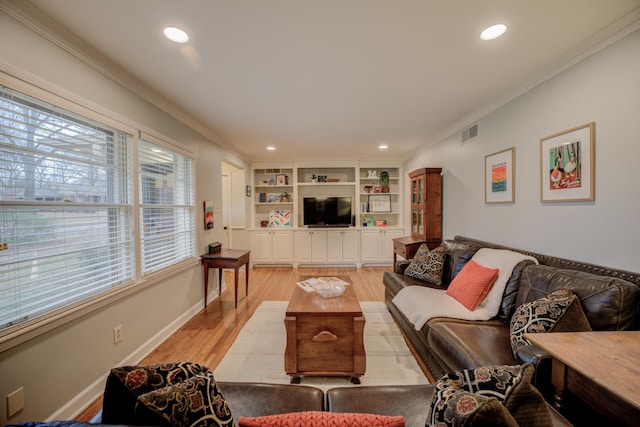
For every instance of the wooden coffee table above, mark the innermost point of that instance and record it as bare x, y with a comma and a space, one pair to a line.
325, 336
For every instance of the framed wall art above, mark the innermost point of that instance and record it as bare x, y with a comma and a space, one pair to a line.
379, 203
567, 165
281, 179
208, 214
500, 176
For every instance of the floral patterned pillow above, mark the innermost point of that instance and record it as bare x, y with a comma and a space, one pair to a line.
559, 311
427, 265
510, 385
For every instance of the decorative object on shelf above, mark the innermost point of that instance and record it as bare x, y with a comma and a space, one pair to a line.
499, 176
264, 223
273, 197
285, 197
384, 181
567, 165
314, 179
280, 218
208, 214
368, 187
372, 174
380, 203
381, 222
369, 221
322, 178
272, 181
333, 179
281, 179
377, 189
263, 198
248, 190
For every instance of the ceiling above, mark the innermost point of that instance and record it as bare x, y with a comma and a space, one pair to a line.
336, 78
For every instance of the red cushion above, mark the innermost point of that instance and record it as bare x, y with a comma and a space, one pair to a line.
322, 419
472, 284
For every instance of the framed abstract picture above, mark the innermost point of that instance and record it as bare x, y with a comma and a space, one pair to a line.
208, 214
500, 176
280, 218
567, 165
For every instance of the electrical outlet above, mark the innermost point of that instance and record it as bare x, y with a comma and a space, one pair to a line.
117, 334
15, 402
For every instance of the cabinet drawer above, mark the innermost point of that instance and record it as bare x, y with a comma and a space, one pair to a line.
325, 344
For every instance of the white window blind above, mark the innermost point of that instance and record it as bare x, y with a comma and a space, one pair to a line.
167, 206
66, 212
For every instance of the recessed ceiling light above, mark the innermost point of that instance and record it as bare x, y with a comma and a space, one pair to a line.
383, 146
493, 32
175, 35
271, 148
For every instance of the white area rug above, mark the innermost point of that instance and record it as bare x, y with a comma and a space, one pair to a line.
257, 355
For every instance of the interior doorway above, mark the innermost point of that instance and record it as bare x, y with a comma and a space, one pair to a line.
233, 207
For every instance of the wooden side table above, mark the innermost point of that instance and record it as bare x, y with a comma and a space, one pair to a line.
406, 247
226, 258
599, 369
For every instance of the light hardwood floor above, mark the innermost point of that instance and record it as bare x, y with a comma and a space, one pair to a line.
208, 335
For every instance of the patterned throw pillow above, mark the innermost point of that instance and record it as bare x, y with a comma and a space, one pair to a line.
196, 401
126, 383
472, 284
322, 419
559, 311
461, 408
511, 385
427, 265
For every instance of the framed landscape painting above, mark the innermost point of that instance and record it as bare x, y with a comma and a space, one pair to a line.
567, 165
500, 176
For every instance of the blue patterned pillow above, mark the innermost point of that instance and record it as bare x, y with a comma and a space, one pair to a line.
427, 265
196, 401
510, 385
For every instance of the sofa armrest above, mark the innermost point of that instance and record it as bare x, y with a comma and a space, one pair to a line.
402, 265
541, 361
258, 399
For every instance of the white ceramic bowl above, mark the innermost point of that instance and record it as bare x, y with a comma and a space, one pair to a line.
330, 290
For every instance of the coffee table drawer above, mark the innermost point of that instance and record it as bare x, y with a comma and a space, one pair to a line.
325, 344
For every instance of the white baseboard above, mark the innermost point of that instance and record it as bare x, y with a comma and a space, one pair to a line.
87, 396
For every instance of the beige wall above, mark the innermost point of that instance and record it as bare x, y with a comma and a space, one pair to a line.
604, 89
62, 370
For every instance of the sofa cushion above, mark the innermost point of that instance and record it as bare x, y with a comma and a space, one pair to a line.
608, 302
126, 383
427, 264
560, 310
508, 303
472, 284
511, 385
322, 419
461, 344
196, 401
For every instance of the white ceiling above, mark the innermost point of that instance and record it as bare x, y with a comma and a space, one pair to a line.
336, 78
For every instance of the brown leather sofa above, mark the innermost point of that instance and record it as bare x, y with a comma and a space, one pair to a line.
257, 399
610, 299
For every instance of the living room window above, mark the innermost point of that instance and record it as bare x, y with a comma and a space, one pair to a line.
167, 206
65, 207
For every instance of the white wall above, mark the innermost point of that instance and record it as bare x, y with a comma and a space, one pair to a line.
66, 365
605, 89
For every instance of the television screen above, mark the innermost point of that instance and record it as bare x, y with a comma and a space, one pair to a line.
327, 211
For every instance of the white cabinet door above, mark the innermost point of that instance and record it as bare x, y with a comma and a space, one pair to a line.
369, 245
260, 246
282, 246
342, 246
386, 241
311, 246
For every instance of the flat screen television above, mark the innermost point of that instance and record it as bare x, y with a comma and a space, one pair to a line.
327, 211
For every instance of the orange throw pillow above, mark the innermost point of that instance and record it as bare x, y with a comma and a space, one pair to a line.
472, 284
322, 419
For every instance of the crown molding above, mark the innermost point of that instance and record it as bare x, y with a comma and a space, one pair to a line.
34, 19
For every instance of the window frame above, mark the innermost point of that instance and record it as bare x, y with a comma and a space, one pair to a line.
22, 332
